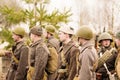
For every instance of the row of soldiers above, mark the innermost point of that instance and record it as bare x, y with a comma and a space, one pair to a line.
74, 62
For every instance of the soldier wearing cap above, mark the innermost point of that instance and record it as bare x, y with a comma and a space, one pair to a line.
51, 40
67, 55
53, 44
19, 62
38, 55
117, 65
107, 56
88, 55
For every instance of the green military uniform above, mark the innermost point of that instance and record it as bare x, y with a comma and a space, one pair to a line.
19, 62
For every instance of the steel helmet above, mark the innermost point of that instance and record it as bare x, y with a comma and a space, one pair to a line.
19, 31
84, 32
105, 36
50, 29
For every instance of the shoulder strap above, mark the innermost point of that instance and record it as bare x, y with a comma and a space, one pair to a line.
14, 58
63, 54
78, 63
77, 59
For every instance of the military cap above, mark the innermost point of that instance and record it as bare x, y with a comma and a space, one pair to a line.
105, 36
50, 29
19, 31
84, 32
36, 31
67, 29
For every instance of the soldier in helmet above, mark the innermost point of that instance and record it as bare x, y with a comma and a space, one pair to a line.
38, 55
53, 44
117, 40
19, 62
51, 40
88, 55
67, 55
107, 56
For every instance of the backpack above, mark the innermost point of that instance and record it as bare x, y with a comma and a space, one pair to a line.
52, 60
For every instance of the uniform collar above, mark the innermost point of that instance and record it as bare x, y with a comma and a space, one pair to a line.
50, 37
36, 43
67, 46
19, 44
85, 45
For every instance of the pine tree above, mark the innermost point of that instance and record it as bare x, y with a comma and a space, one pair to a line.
12, 15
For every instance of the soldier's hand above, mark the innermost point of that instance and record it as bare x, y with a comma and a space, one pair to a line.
8, 53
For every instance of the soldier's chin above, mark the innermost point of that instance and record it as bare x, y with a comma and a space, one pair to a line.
106, 46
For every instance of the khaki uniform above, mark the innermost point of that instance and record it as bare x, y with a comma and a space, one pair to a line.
110, 63
88, 57
17, 71
69, 51
118, 63
52, 42
38, 59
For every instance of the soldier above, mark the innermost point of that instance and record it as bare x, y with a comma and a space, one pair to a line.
53, 44
107, 56
17, 70
117, 40
51, 41
88, 55
38, 55
67, 55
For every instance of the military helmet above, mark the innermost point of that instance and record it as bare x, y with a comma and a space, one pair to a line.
67, 30
36, 31
50, 29
19, 31
105, 36
84, 32
118, 35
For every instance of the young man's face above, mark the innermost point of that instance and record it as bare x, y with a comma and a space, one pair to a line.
106, 43
15, 37
62, 36
117, 41
47, 35
32, 37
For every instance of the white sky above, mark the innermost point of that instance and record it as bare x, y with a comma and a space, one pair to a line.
75, 6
